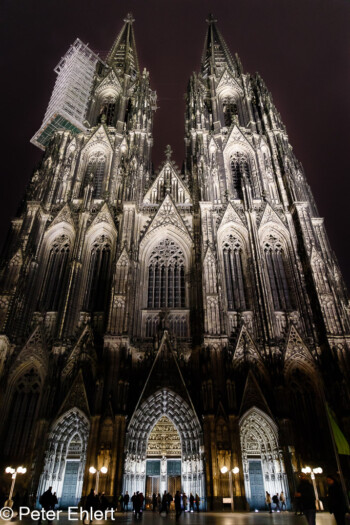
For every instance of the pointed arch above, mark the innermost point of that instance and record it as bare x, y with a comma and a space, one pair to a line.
262, 457
233, 246
167, 403
276, 253
98, 273
72, 427
23, 402
56, 259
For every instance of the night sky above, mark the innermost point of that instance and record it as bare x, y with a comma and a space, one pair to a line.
301, 48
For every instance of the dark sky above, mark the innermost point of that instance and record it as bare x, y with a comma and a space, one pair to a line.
300, 47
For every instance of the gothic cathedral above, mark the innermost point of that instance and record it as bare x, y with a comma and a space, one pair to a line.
166, 327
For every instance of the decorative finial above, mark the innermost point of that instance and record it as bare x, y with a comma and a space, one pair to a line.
129, 18
168, 152
211, 19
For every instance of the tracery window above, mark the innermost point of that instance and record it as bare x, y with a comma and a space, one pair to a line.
53, 281
94, 174
96, 293
276, 268
232, 254
239, 169
108, 110
230, 111
22, 413
166, 276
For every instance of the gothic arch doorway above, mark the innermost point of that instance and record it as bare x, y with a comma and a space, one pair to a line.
65, 458
164, 447
262, 459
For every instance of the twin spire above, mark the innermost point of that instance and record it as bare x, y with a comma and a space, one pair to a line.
123, 54
216, 55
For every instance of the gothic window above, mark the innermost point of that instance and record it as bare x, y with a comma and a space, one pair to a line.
239, 170
53, 281
232, 254
94, 174
96, 293
277, 272
23, 408
166, 276
230, 111
108, 110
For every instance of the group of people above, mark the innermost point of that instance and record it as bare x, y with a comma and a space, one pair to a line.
279, 500
163, 503
305, 500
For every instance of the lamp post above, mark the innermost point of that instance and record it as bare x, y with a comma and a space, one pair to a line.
312, 472
103, 470
13, 472
235, 471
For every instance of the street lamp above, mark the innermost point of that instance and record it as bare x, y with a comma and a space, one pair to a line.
312, 472
13, 472
235, 471
92, 470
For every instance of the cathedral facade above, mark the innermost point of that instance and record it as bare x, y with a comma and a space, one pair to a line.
168, 325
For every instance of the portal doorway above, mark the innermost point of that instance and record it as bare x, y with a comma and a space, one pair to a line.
262, 459
164, 448
65, 458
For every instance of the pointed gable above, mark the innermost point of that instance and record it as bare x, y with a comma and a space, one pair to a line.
270, 215
228, 81
246, 350
297, 352
104, 215
253, 397
231, 215
64, 215
165, 373
237, 137
99, 137
76, 397
34, 350
109, 82
167, 215
168, 180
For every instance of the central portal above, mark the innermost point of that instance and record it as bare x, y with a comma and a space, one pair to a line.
163, 463
164, 447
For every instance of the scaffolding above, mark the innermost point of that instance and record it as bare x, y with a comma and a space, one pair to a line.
69, 101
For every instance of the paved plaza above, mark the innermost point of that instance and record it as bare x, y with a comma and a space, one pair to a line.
202, 518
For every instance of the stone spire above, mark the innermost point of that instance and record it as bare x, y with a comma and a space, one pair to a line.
123, 54
216, 55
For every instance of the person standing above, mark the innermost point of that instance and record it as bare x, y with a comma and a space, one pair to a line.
47, 502
268, 501
276, 501
126, 501
177, 504
336, 500
164, 507
154, 502
191, 502
91, 504
283, 501
184, 501
306, 495
198, 500
137, 505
